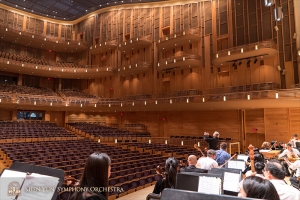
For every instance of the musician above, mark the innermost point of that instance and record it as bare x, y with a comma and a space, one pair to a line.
170, 180
258, 157
192, 161
294, 140
290, 153
266, 146
274, 172
222, 155
209, 161
294, 166
212, 141
259, 167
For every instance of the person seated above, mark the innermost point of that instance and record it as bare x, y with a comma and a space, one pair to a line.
208, 162
294, 140
259, 167
96, 174
258, 157
257, 187
290, 153
212, 141
275, 173
192, 161
294, 166
221, 155
169, 181
265, 146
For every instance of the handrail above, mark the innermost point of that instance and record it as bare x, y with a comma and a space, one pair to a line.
175, 59
135, 39
194, 31
137, 64
42, 36
54, 68
245, 48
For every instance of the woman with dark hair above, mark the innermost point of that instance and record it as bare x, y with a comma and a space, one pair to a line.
169, 181
95, 175
257, 187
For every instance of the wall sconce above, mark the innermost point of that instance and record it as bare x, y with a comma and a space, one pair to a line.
155, 102
132, 103
187, 100
228, 53
95, 105
203, 99
248, 96
34, 103
170, 101
198, 144
278, 14
81, 105
51, 104
149, 141
224, 98
269, 2
217, 55
276, 95
145, 102
256, 47
99, 140
116, 141
166, 141
242, 50
181, 143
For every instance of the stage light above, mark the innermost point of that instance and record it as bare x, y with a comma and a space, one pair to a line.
240, 62
248, 61
233, 64
278, 14
269, 2
255, 60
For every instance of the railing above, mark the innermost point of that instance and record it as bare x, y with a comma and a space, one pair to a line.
245, 48
175, 59
136, 65
136, 39
112, 43
42, 37
194, 31
54, 68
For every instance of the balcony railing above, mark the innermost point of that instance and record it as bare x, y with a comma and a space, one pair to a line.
104, 45
245, 48
194, 31
176, 59
32, 35
134, 68
137, 42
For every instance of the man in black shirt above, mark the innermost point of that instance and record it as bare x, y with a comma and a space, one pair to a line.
192, 161
213, 141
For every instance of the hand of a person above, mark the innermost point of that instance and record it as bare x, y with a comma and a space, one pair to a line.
250, 173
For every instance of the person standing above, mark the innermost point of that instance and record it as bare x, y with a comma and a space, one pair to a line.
212, 141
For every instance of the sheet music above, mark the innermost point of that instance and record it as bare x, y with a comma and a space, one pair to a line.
265, 151
237, 164
231, 181
243, 157
37, 186
209, 185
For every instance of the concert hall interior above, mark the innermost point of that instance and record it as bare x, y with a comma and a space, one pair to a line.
150, 80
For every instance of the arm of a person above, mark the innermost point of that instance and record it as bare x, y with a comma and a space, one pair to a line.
294, 165
208, 138
157, 187
282, 154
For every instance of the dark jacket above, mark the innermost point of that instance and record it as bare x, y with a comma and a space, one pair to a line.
192, 168
212, 142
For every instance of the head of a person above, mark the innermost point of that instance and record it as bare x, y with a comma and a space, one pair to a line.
266, 145
274, 170
171, 172
211, 153
216, 134
258, 157
259, 167
296, 136
223, 146
192, 160
257, 187
96, 171
289, 146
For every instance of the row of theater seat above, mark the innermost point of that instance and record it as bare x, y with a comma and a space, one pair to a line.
23, 58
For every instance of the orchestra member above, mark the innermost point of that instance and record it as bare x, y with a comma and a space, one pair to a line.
294, 166
170, 179
275, 173
222, 155
258, 157
257, 187
259, 167
192, 161
290, 153
96, 174
212, 141
208, 162
294, 140
266, 146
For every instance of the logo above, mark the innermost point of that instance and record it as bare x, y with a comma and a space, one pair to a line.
14, 189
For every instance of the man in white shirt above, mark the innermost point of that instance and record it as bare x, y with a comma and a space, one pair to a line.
290, 152
294, 166
294, 140
209, 161
275, 173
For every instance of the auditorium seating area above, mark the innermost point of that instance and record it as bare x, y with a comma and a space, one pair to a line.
75, 93
22, 130
23, 58
26, 90
68, 64
135, 127
104, 131
71, 155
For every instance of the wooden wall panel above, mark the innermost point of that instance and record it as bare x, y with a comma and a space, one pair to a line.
175, 125
85, 117
58, 118
277, 124
254, 119
294, 121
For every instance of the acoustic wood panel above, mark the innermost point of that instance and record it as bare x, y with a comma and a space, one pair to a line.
5, 115
86, 117
254, 121
294, 121
58, 118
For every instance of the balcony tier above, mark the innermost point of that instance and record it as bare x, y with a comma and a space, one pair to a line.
256, 50
135, 43
104, 47
178, 39
136, 68
54, 71
180, 62
40, 41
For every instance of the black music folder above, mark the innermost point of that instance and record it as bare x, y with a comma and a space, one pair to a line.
175, 194
27, 182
